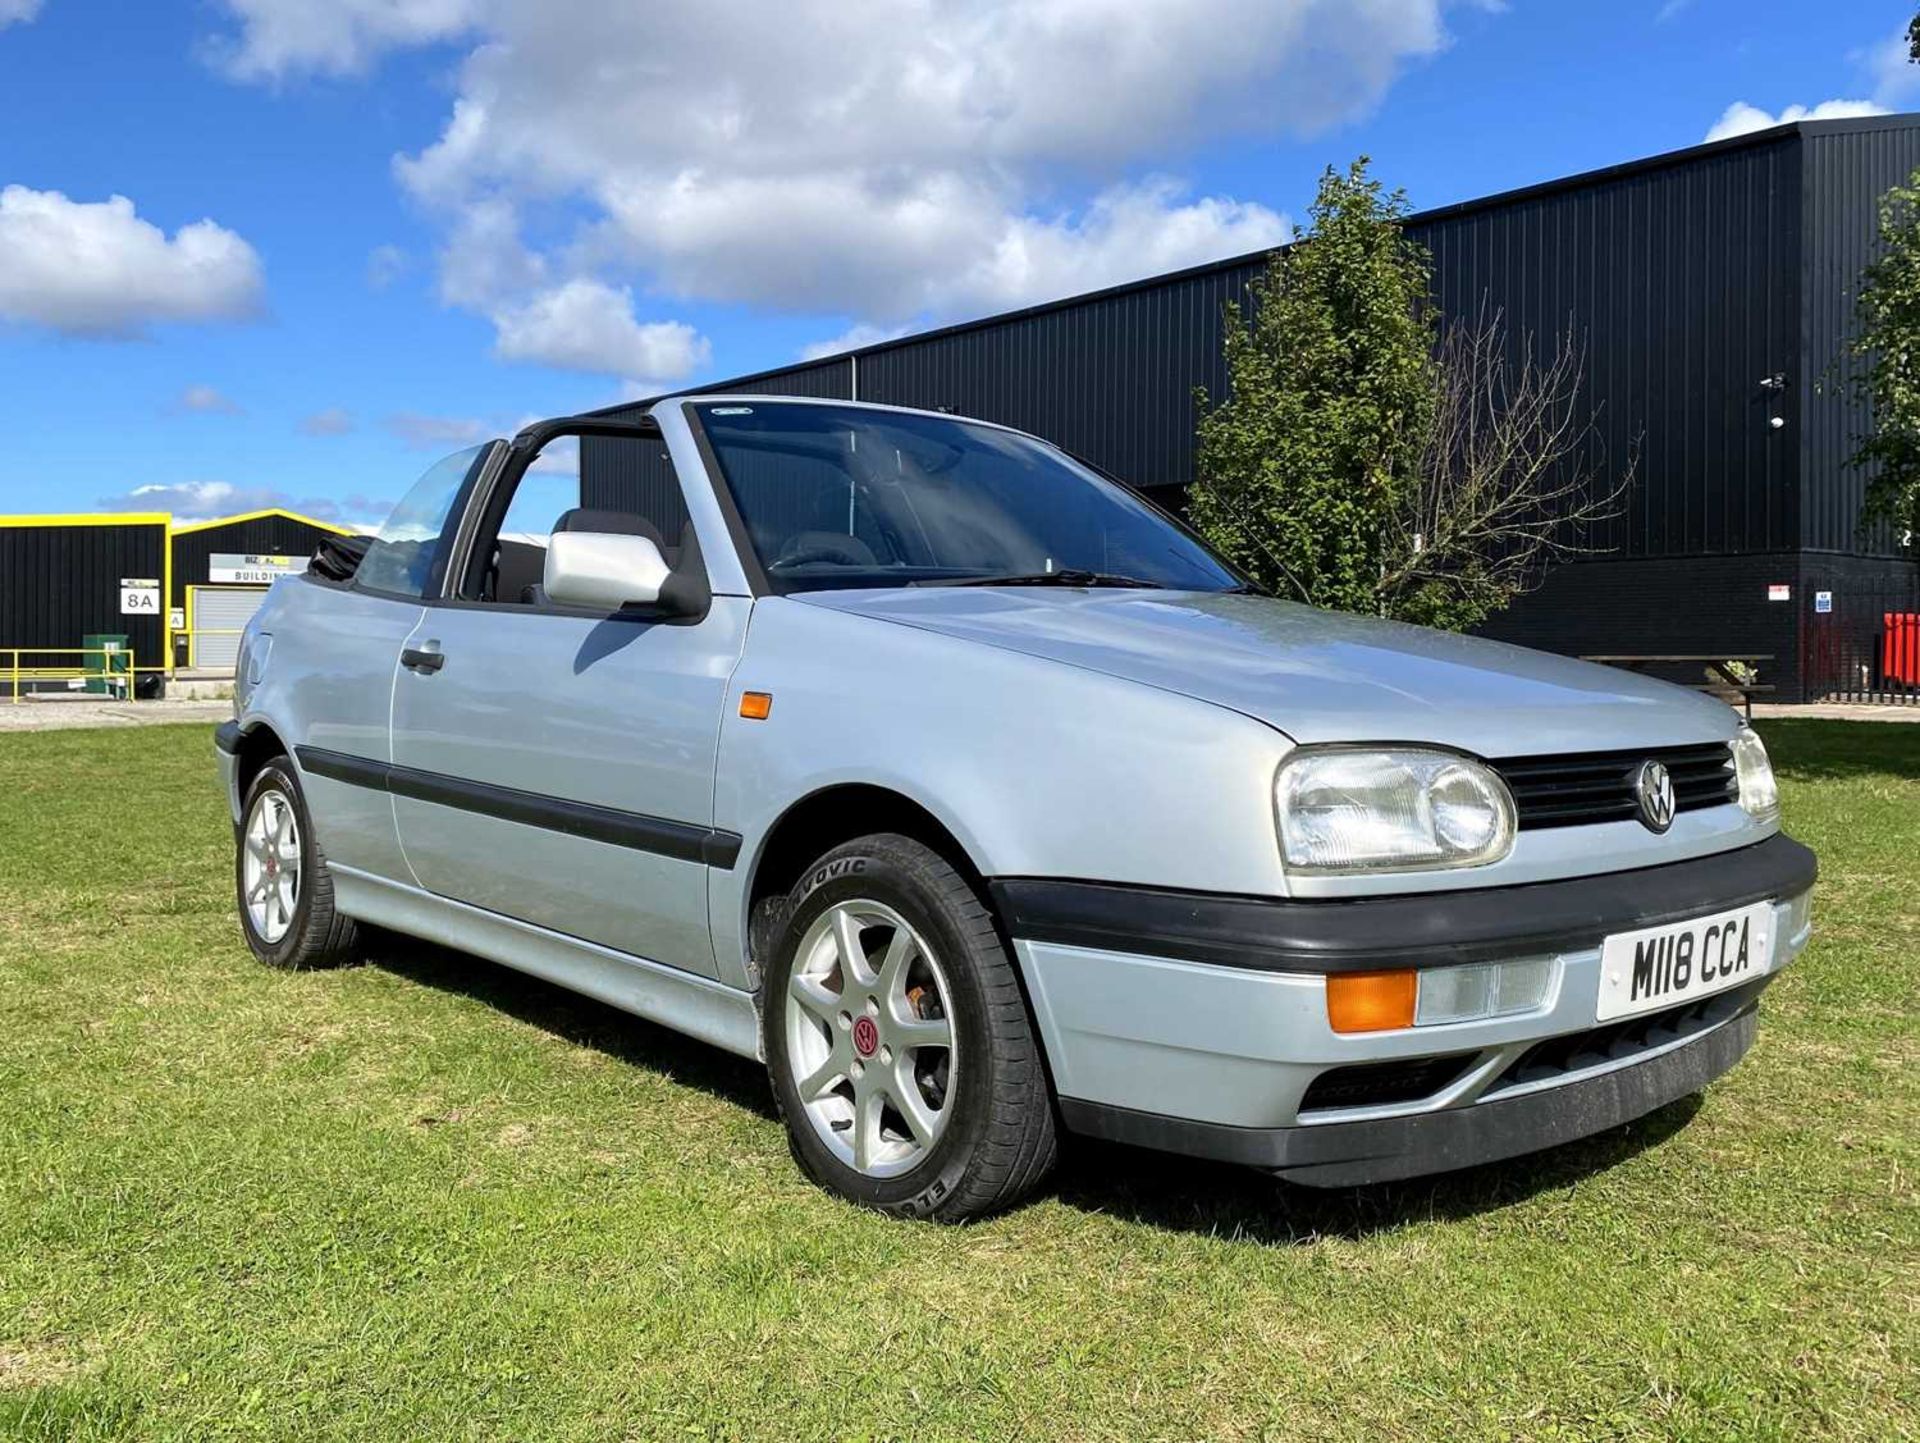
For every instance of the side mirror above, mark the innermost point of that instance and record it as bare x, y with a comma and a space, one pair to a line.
603, 572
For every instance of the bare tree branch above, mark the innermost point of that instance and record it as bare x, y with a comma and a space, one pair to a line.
1506, 485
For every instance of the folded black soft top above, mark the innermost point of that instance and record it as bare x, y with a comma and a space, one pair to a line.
336, 558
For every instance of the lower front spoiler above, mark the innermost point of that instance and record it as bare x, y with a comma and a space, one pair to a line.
1346, 1154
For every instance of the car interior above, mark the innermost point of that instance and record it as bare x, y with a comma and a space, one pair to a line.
519, 562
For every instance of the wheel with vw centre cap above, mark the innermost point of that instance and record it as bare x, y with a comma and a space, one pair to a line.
902, 1057
281, 880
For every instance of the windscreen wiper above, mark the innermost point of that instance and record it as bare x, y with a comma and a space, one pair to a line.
1067, 577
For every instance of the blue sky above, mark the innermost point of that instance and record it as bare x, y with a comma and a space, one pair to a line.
359, 233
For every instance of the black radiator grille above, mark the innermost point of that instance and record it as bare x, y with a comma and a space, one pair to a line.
1374, 1084
1618, 1041
1575, 788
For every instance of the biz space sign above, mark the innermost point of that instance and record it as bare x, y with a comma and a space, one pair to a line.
230, 568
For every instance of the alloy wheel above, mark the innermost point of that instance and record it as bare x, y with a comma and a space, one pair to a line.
270, 867
870, 1042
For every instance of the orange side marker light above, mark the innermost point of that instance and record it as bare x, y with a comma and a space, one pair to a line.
1371, 1001
756, 705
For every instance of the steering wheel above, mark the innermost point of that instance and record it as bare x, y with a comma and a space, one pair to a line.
816, 547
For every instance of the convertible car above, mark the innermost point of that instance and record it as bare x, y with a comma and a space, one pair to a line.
979, 800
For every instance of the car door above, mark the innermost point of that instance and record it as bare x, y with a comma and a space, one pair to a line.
326, 660
556, 766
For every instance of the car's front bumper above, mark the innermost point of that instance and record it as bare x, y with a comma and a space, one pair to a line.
1204, 1032
1506, 1124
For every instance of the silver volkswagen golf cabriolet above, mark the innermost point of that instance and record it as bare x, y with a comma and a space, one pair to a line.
976, 798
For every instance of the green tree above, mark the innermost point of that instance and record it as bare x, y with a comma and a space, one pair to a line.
1370, 458
1885, 374
1331, 386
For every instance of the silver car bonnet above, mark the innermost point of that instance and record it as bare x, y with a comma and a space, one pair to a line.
1317, 676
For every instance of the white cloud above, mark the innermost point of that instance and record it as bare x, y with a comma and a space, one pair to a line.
1741, 118
334, 421
584, 325
206, 500
852, 339
559, 457
936, 245
207, 400
97, 269
331, 37
191, 500
889, 162
484, 260
17, 11
1127, 232
1670, 9
438, 433
902, 162
1889, 62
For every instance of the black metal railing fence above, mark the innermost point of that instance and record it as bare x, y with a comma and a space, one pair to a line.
1862, 643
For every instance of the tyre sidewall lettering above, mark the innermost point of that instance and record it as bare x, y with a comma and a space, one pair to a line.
831, 872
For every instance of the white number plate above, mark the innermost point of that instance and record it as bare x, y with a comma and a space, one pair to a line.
1660, 966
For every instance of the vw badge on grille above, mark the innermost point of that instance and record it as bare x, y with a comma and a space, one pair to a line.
1653, 791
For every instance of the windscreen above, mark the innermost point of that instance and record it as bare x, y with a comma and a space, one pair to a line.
844, 496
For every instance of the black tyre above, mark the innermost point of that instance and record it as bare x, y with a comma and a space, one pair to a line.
281, 882
902, 1057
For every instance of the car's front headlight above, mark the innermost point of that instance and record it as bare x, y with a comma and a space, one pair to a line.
1392, 810
1759, 796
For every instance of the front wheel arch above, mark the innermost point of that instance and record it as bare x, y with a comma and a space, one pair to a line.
259, 744
816, 824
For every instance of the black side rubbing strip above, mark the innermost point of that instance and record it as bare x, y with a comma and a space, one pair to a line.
1435, 929
343, 767
685, 840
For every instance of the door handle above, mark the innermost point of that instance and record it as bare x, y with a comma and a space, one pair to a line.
417, 658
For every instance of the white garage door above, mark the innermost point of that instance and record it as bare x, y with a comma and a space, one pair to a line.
219, 615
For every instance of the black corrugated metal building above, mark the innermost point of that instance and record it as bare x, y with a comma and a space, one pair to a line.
179, 594
64, 578
1710, 290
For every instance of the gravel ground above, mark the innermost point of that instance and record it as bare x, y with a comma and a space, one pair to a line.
61, 713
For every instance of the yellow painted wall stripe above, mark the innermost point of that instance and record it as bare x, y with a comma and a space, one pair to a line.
166, 606
95, 518
181, 530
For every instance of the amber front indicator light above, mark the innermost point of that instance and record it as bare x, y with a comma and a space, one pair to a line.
1371, 1001
1474, 992
756, 705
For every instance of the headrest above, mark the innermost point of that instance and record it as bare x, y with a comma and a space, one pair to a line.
613, 523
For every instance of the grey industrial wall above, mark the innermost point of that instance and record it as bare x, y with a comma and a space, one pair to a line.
1849, 165
1677, 280
1667, 606
60, 582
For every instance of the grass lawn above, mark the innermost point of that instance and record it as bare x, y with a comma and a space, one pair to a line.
429, 1198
